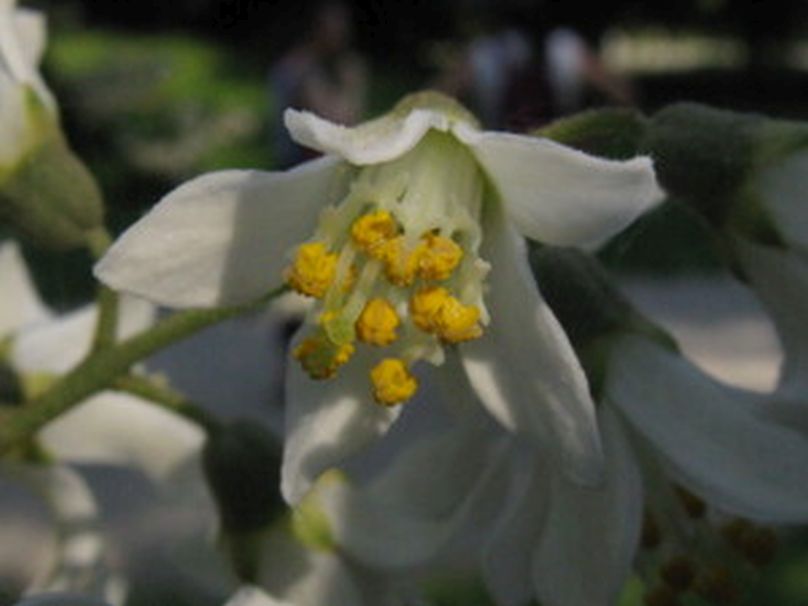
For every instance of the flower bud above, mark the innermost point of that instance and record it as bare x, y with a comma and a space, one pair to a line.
46, 193
739, 171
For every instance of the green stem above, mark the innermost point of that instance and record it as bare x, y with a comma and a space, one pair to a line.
153, 390
106, 327
100, 369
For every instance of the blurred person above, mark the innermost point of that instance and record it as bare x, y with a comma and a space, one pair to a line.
574, 69
322, 73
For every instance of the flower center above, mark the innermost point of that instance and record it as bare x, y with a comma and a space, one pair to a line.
395, 266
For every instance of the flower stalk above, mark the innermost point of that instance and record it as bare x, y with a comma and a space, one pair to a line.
101, 369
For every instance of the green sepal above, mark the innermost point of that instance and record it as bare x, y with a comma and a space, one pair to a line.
48, 195
614, 133
241, 462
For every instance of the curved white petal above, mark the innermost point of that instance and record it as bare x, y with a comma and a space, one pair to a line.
782, 190
31, 34
586, 550
20, 304
708, 434
118, 429
22, 35
327, 422
251, 595
305, 577
508, 552
436, 487
222, 238
523, 368
557, 195
372, 142
780, 281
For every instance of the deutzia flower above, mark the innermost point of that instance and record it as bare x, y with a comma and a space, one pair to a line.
22, 41
108, 429
674, 438
409, 233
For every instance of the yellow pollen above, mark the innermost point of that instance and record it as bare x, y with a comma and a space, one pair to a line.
425, 304
377, 323
400, 264
392, 382
321, 358
372, 230
434, 310
313, 270
456, 322
439, 258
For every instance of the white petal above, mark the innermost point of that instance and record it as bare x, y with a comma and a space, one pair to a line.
557, 195
21, 39
782, 190
434, 490
586, 550
250, 595
117, 429
305, 577
372, 142
20, 304
327, 422
523, 368
780, 281
32, 34
508, 553
55, 346
709, 435
221, 238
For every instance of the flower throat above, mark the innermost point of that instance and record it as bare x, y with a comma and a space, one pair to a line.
396, 268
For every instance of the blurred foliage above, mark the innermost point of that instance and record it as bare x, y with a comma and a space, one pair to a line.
148, 111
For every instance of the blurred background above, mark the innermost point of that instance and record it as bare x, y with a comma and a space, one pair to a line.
153, 93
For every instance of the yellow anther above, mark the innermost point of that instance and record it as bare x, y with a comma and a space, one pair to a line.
439, 257
434, 310
321, 358
392, 382
313, 270
456, 322
377, 323
372, 230
425, 304
400, 263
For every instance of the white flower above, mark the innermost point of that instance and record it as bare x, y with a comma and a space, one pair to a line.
109, 429
22, 90
665, 425
395, 229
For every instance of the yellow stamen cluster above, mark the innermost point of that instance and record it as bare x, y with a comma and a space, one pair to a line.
378, 322
392, 382
321, 358
435, 311
313, 270
359, 309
